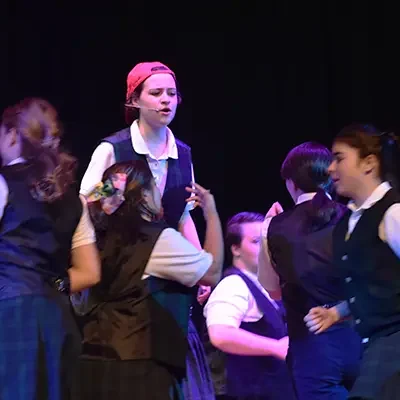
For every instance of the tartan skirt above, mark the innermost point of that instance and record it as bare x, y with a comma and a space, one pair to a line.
198, 384
39, 348
379, 377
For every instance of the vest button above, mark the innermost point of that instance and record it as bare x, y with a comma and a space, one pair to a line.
357, 321
348, 279
344, 258
352, 300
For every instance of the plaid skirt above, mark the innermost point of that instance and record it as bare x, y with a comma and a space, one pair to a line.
40, 345
198, 384
379, 377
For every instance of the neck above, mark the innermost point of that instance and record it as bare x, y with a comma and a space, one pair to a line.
365, 190
155, 137
296, 195
239, 264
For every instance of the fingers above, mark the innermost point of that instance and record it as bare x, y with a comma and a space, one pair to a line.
315, 320
279, 208
196, 189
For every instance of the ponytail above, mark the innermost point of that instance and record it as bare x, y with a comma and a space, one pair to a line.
323, 211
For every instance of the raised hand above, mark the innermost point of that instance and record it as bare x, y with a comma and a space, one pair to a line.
275, 209
202, 198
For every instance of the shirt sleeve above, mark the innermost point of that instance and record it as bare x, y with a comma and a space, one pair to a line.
391, 227
102, 158
228, 303
175, 258
266, 273
84, 233
3, 195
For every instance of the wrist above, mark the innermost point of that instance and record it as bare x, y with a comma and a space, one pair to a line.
334, 315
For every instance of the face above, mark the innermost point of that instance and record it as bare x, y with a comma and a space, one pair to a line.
348, 171
249, 248
159, 92
8, 148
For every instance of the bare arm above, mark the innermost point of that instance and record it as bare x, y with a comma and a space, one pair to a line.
267, 276
234, 340
86, 265
85, 270
188, 229
214, 241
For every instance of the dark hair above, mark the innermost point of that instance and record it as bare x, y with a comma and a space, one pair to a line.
132, 113
126, 220
307, 166
368, 140
36, 122
234, 234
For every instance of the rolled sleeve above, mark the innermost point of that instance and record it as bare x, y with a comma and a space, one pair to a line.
175, 258
228, 303
84, 233
102, 158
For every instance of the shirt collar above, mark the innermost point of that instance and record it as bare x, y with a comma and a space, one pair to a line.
305, 197
17, 161
140, 145
375, 196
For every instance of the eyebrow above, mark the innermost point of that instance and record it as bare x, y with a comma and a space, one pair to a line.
161, 88
337, 153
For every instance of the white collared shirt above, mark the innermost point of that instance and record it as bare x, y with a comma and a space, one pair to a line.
232, 303
103, 157
389, 228
84, 233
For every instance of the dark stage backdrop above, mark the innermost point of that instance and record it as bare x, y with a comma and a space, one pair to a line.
256, 80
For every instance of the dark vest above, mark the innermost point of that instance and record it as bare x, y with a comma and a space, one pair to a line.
371, 271
304, 262
35, 237
257, 375
179, 173
135, 318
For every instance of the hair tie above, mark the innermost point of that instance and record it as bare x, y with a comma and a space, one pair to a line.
110, 193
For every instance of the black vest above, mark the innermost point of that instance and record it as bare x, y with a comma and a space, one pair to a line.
304, 262
257, 375
179, 173
35, 237
132, 318
371, 271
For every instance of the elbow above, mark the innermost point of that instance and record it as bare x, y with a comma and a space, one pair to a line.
96, 277
275, 294
210, 279
218, 341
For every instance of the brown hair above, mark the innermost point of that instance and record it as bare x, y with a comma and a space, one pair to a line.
369, 140
307, 166
36, 122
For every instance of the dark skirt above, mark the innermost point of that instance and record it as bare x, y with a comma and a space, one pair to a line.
198, 384
125, 380
379, 377
40, 346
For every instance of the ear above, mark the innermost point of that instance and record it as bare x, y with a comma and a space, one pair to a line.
134, 100
13, 136
370, 163
235, 250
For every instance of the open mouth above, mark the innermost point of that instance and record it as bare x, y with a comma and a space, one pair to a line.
165, 110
